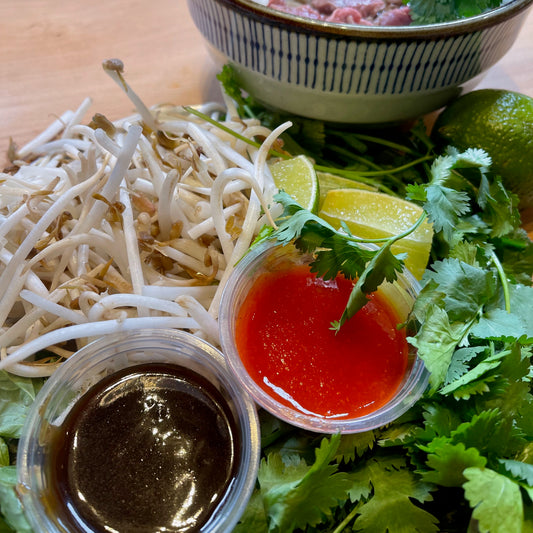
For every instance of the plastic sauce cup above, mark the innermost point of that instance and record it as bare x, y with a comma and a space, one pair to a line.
101, 360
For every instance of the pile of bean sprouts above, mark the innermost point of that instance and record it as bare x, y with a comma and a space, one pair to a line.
114, 226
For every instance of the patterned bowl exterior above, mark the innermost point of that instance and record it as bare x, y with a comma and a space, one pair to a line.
354, 74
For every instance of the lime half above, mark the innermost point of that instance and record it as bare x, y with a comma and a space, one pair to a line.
297, 177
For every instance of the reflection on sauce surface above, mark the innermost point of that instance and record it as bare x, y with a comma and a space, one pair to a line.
148, 449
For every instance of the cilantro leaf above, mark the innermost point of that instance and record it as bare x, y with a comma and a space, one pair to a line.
500, 324
458, 366
516, 367
254, 516
486, 432
447, 202
306, 494
465, 287
443, 204
353, 445
499, 207
416, 192
436, 341
433, 11
521, 471
489, 363
440, 420
447, 462
341, 256
454, 296
496, 500
398, 434
473, 388
339, 252
389, 507
465, 252
383, 266
515, 404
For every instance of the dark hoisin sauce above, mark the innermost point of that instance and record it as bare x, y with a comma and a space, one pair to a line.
150, 448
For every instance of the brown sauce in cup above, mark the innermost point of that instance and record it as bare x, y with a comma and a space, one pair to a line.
150, 448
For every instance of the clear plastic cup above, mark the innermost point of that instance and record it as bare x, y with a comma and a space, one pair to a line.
401, 295
106, 356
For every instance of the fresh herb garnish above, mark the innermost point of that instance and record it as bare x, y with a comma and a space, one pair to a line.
339, 252
461, 459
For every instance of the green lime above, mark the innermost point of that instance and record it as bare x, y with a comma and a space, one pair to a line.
375, 215
501, 123
297, 177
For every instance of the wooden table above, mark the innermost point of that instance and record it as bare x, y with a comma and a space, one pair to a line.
51, 54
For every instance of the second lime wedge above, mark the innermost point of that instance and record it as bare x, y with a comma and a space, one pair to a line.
328, 182
374, 215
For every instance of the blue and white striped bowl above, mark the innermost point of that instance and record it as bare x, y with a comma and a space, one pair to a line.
355, 74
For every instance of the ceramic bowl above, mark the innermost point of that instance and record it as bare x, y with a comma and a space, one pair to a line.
354, 74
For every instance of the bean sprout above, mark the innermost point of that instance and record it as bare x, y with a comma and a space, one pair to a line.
112, 226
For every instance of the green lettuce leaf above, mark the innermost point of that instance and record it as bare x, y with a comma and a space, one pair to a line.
9, 503
16, 396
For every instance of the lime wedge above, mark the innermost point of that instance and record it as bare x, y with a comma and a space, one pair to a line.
328, 182
374, 215
297, 177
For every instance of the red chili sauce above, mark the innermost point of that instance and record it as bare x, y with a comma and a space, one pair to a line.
284, 339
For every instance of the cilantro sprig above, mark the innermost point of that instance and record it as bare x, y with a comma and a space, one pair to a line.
339, 252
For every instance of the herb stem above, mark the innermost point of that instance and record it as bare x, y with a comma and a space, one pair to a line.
410, 230
503, 279
350, 139
216, 123
354, 175
514, 243
385, 142
401, 168
362, 176
350, 155
364, 161
348, 518
369, 173
394, 238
